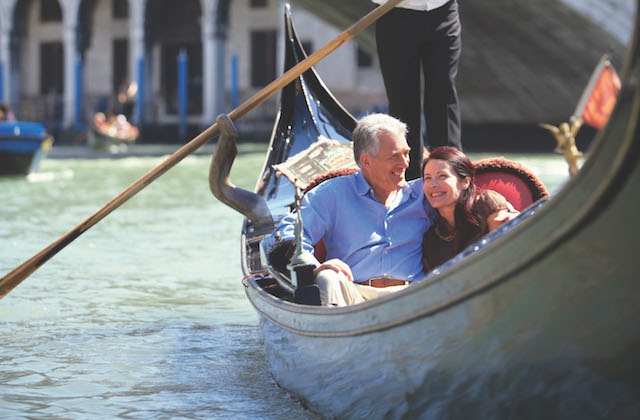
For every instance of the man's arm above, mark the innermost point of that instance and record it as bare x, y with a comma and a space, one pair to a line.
336, 265
316, 220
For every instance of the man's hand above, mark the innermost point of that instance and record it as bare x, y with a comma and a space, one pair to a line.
501, 216
336, 265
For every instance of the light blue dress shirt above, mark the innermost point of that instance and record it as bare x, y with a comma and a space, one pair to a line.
372, 239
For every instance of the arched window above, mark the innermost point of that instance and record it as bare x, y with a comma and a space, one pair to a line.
50, 11
120, 9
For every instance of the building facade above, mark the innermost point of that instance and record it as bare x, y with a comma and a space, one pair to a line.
63, 60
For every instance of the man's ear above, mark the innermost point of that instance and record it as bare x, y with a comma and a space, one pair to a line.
365, 160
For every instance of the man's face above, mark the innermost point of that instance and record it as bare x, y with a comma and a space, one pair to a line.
385, 173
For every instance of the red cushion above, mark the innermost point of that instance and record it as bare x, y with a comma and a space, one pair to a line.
515, 182
513, 188
320, 251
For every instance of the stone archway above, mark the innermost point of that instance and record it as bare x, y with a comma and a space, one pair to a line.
103, 44
169, 28
36, 38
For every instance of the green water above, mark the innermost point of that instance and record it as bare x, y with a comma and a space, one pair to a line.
144, 315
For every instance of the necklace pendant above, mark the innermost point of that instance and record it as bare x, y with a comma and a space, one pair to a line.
446, 238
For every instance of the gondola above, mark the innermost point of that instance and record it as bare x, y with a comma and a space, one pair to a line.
535, 320
22, 146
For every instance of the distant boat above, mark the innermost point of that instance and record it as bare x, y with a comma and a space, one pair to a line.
534, 321
113, 134
22, 146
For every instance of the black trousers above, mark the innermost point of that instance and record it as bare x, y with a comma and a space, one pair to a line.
408, 41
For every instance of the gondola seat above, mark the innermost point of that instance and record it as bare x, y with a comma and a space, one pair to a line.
514, 181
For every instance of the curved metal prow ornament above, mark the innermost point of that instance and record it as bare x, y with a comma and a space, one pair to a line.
565, 135
252, 205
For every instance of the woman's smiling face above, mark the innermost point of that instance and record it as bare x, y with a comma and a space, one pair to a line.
442, 187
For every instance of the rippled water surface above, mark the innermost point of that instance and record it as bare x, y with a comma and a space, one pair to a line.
144, 315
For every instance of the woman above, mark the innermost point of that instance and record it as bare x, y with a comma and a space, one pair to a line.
466, 214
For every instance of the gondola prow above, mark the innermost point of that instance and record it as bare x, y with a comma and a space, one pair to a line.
252, 205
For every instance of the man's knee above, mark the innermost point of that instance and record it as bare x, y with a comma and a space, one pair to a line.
334, 289
327, 279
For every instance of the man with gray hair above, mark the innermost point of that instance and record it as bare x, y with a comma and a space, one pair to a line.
372, 222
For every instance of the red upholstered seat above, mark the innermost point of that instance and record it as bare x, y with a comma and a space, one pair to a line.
320, 251
515, 182
509, 185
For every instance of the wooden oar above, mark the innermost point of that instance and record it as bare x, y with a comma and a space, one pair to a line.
12, 279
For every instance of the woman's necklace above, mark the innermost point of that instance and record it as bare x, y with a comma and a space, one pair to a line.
446, 238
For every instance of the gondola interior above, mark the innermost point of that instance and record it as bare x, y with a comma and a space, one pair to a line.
309, 111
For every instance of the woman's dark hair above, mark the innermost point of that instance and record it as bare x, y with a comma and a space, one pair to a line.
463, 168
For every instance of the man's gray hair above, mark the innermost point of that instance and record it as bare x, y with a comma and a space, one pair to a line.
365, 135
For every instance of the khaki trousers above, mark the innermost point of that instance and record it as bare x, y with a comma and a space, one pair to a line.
336, 290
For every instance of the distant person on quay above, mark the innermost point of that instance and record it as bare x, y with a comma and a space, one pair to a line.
5, 112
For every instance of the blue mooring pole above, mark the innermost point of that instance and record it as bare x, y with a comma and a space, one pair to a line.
1, 81
139, 106
182, 91
79, 95
234, 80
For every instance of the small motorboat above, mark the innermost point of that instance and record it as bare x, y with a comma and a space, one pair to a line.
22, 146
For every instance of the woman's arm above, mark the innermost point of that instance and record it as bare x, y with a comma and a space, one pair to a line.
494, 208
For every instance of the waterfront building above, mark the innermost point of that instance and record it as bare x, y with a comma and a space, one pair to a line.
63, 60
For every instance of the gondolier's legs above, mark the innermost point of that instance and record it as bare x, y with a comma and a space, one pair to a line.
408, 41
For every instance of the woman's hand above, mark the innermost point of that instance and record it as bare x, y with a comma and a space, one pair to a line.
336, 265
499, 217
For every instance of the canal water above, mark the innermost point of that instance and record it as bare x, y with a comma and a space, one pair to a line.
144, 315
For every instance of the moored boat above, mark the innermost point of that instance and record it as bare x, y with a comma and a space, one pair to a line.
22, 146
536, 320
114, 134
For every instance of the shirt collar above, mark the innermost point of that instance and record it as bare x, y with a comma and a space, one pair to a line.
362, 186
416, 187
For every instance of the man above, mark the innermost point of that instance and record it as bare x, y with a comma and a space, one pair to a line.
372, 222
422, 35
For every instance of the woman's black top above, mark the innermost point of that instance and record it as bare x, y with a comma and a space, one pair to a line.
441, 243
